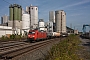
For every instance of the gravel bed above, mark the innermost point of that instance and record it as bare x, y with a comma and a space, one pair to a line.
85, 52
38, 54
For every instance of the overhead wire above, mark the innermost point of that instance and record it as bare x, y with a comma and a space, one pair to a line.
10, 3
6, 1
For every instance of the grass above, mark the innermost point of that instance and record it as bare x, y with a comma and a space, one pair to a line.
65, 50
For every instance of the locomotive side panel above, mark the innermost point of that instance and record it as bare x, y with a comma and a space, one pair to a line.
41, 35
36, 35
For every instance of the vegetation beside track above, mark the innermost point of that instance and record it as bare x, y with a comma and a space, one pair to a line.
65, 50
13, 38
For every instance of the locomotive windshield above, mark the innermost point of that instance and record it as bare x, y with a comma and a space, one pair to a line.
31, 32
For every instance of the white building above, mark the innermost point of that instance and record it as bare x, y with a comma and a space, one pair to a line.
16, 26
60, 19
5, 30
50, 26
52, 16
75, 31
41, 24
33, 11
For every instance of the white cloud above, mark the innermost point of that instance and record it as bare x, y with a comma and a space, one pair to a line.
75, 4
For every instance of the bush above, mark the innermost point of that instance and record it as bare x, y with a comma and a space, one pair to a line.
17, 36
4, 38
65, 50
12, 36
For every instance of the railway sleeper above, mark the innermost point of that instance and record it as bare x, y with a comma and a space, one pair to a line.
5, 58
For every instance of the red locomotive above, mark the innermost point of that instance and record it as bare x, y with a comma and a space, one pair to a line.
35, 35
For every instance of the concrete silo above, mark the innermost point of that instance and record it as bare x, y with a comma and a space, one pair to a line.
25, 21
52, 16
19, 13
11, 12
33, 11
15, 17
27, 10
34, 16
60, 18
15, 12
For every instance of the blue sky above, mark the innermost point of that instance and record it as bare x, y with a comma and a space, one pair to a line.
77, 11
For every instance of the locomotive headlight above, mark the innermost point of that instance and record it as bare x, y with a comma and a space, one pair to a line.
33, 36
28, 35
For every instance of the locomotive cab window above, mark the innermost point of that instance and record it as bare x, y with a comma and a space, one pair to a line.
31, 32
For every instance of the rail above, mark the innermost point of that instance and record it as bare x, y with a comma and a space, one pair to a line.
21, 48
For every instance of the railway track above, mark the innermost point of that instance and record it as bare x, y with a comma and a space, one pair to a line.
9, 45
15, 49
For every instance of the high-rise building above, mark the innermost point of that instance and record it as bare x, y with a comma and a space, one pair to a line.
1, 20
60, 18
52, 16
33, 11
4, 19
